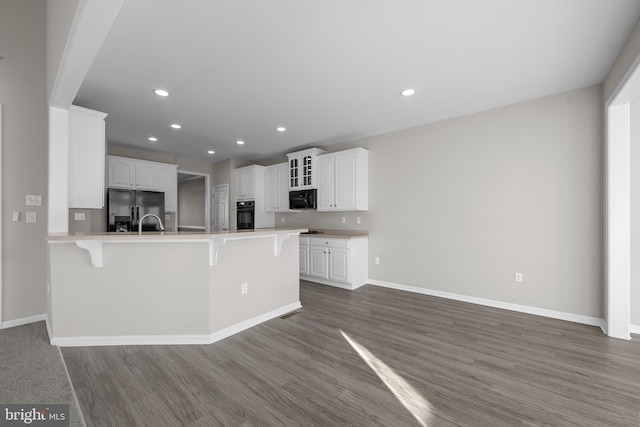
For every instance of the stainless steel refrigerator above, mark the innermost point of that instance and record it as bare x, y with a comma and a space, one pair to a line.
126, 207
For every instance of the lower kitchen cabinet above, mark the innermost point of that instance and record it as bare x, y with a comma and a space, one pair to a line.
340, 262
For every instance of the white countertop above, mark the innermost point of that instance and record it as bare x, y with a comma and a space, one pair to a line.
173, 235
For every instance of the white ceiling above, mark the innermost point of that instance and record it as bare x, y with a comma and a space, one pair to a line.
332, 70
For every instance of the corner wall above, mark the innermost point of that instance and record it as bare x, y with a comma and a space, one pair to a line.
23, 93
460, 205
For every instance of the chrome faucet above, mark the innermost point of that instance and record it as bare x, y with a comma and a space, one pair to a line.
142, 219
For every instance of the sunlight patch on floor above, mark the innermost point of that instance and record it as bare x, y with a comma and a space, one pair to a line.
408, 396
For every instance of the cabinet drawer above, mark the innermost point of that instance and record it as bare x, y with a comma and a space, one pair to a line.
333, 243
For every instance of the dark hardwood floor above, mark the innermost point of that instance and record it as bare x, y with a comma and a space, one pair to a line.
369, 357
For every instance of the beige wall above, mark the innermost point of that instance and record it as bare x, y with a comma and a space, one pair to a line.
191, 203
459, 206
23, 93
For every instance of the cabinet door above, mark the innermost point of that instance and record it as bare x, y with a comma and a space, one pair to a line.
325, 183
86, 158
146, 176
318, 260
249, 184
283, 188
294, 170
168, 183
122, 173
304, 260
239, 184
339, 265
345, 185
271, 188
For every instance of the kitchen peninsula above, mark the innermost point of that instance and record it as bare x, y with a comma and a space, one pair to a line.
168, 288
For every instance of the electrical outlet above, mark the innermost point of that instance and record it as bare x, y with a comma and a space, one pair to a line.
344, 220
358, 220
31, 217
15, 216
377, 260
79, 216
282, 219
245, 288
518, 277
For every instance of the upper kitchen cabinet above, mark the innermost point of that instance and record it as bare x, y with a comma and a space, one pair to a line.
133, 174
343, 181
86, 158
245, 182
277, 188
302, 169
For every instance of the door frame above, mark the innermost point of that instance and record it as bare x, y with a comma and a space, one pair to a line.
207, 198
618, 204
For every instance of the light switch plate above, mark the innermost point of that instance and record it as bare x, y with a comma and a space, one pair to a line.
31, 217
79, 216
33, 200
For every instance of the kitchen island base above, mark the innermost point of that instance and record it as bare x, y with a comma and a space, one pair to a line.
168, 289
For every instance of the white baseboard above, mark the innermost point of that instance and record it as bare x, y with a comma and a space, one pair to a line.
239, 327
634, 329
23, 321
348, 286
576, 318
87, 341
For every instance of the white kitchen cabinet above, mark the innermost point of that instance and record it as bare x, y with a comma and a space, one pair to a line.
86, 158
304, 256
277, 188
333, 261
343, 181
122, 172
168, 184
245, 183
132, 174
302, 169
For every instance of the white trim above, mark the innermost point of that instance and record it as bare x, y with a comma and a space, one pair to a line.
635, 329
570, 317
23, 321
172, 339
349, 286
239, 327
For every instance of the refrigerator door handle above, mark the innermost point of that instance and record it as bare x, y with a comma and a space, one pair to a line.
138, 215
133, 218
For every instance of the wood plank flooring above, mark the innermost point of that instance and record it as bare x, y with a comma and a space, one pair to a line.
438, 363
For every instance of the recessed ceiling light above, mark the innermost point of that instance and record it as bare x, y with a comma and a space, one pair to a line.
281, 129
239, 142
211, 152
161, 92
153, 139
408, 92
176, 126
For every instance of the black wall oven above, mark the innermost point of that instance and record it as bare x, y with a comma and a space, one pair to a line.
246, 215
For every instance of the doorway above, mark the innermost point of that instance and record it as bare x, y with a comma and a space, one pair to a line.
193, 202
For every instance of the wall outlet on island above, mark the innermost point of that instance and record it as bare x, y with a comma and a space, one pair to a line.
518, 277
245, 288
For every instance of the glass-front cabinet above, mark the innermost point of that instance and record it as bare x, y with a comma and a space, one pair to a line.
302, 169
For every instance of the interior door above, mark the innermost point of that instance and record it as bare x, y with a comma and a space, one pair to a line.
221, 207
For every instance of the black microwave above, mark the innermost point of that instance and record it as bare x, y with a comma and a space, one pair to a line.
302, 199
